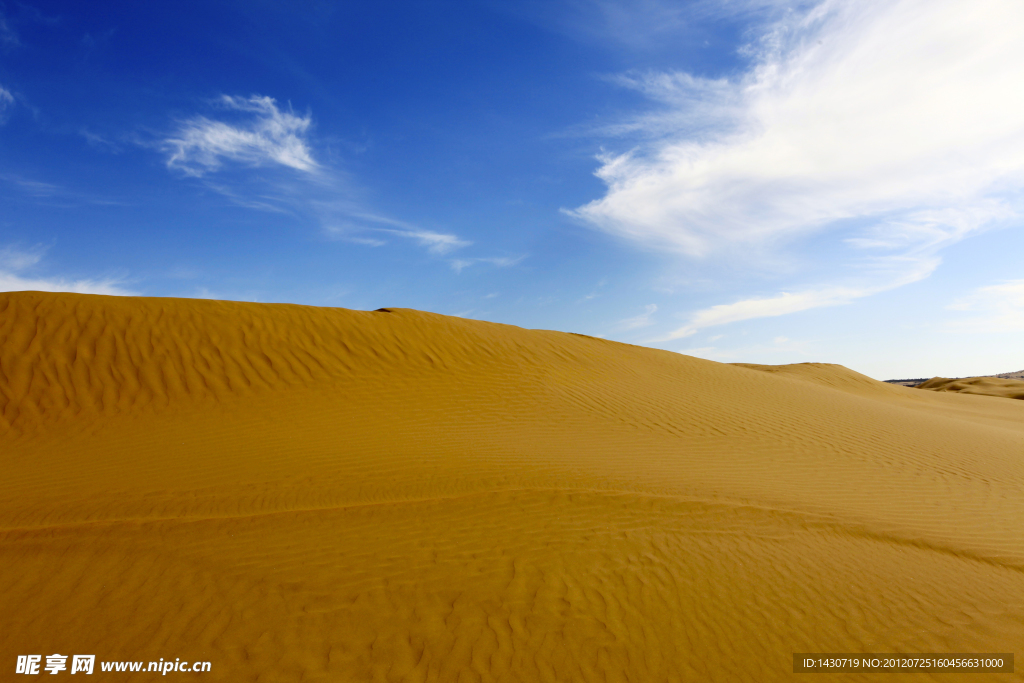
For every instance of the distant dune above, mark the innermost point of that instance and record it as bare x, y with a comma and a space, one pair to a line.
984, 386
969, 385
312, 494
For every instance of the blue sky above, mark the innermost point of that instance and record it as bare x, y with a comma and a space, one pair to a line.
741, 180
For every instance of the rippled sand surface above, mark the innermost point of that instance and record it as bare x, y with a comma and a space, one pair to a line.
310, 494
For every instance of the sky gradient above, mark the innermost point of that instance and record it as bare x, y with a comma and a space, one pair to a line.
741, 180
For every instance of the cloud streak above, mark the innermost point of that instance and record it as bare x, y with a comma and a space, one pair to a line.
13, 278
639, 25
260, 134
636, 322
997, 308
435, 242
6, 104
8, 38
264, 136
458, 265
803, 300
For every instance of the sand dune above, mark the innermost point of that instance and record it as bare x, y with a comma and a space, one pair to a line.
982, 386
307, 494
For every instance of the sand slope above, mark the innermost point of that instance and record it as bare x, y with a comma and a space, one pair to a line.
983, 386
296, 493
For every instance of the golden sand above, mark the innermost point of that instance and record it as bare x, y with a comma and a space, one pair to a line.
982, 386
308, 494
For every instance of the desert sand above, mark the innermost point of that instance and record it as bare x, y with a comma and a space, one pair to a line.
310, 494
982, 386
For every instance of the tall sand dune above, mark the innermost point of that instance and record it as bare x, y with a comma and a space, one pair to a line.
308, 494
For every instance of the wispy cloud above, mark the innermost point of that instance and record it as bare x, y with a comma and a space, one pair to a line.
706, 352
458, 265
14, 259
356, 222
99, 142
8, 38
795, 302
643, 320
15, 276
365, 241
639, 25
33, 188
264, 135
6, 104
698, 106
258, 133
435, 242
53, 194
997, 308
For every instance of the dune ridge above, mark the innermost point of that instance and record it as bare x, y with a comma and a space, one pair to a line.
298, 493
67, 356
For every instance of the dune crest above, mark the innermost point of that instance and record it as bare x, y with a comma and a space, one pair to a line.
300, 493
72, 356
829, 375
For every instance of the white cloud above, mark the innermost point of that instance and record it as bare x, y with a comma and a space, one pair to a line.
266, 136
500, 261
13, 263
794, 302
34, 188
6, 104
55, 195
896, 124
99, 142
365, 241
695, 105
640, 25
205, 293
7, 35
1001, 308
782, 304
636, 322
905, 113
13, 259
435, 242
353, 220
